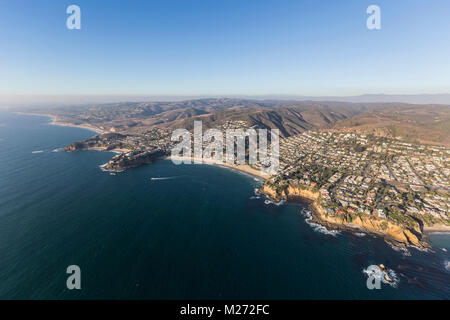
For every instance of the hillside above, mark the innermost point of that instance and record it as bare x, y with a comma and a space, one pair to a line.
289, 119
420, 123
429, 124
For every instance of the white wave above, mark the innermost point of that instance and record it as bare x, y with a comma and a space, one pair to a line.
305, 212
254, 197
102, 167
267, 201
421, 249
447, 265
360, 234
317, 227
38, 151
404, 251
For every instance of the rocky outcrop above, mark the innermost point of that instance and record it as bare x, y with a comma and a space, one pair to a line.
393, 233
133, 159
289, 192
76, 146
292, 191
386, 227
106, 141
270, 191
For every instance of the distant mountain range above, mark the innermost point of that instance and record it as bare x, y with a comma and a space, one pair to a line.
375, 98
412, 122
65, 100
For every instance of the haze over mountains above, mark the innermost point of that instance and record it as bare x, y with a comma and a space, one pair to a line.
65, 100
415, 123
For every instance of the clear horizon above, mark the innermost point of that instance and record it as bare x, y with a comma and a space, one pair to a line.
225, 48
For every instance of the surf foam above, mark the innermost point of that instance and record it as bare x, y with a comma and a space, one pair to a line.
317, 227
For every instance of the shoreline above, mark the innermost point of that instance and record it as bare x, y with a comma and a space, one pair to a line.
353, 228
437, 228
81, 126
56, 122
118, 151
394, 235
311, 202
245, 168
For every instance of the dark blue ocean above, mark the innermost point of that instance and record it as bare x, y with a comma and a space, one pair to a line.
199, 234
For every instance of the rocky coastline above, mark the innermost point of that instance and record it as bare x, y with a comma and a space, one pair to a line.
133, 159
392, 233
126, 159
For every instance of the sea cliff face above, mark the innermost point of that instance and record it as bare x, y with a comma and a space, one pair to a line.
133, 159
125, 160
106, 141
393, 233
76, 146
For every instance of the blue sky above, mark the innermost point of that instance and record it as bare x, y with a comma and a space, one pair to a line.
224, 47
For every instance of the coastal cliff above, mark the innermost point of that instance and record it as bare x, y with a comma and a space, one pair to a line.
125, 160
392, 233
106, 141
132, 159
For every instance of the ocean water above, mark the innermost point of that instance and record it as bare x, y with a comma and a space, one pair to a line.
196, 232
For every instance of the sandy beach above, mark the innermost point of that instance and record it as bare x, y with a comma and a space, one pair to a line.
83, 126
55, 121
242, 167
437, 228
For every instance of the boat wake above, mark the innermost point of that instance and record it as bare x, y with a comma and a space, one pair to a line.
447, 265
58, 150
163, 178
38, 151
317, 227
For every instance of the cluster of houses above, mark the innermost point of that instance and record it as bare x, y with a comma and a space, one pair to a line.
371, 175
